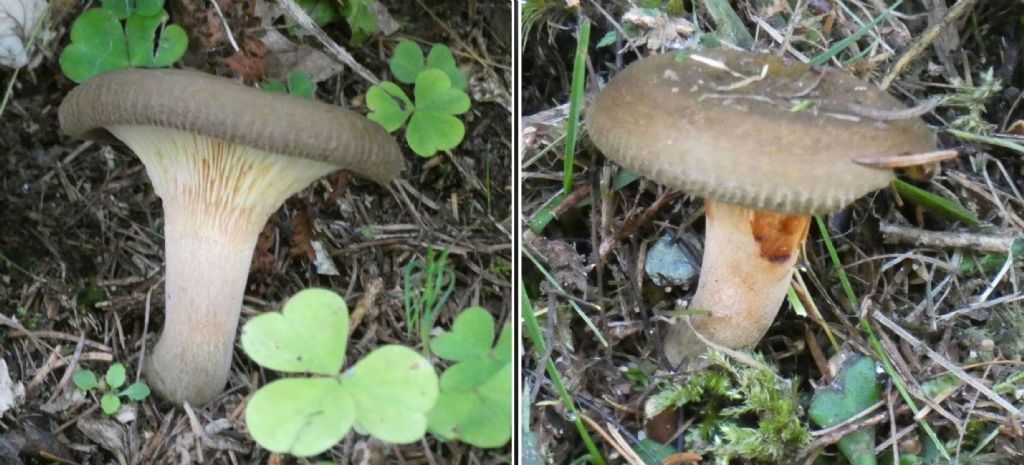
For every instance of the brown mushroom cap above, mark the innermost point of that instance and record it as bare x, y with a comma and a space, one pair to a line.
223, 109
785, 142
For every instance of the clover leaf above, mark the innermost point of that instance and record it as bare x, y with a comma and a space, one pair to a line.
85, 380
433, 126
97, 46
360, 19
299, 84
407, 63
475, 404
387, 394
855, 389
140, 33
390, 106
309, 335
101, 43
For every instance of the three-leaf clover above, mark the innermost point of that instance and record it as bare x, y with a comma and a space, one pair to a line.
439, 92
387, 394
101, 43
855, 389
475, 404
115, 378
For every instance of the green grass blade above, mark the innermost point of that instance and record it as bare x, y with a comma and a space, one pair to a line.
876, 346
990, 140
936, 204
533, 331
728, 24
579, 311
579, 71
843, 44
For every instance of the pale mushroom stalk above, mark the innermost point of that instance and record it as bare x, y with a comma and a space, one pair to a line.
215, 202
748, 261
767, 143
222, 157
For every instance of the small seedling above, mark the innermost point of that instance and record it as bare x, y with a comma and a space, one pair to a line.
387, 394
122, 34
427, 284
439, 93
299, 84
110, 401
475, 404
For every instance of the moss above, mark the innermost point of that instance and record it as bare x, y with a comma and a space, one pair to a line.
742, 412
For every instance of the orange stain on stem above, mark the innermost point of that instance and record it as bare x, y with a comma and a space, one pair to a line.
779, 235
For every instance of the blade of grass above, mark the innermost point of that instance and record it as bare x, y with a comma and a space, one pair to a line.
579, 71
876, 346
533, 331
545, 213
730, 27
843, 44
938, 205
990, 140
579, 311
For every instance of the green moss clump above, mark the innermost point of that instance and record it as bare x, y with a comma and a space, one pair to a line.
743, 412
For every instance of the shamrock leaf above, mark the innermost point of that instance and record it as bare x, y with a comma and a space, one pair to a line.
393, 388
140, 33
475, 404
97, 46
406, 61
388, 105
300, 416
470, 337
854, 390
433, 127
309, 335
441, 58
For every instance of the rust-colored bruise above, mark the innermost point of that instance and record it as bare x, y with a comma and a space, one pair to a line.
779, 235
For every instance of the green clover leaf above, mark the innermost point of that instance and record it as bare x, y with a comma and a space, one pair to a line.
475, 403
393, 388
300, 416
140, 33
440, 57
470, 337
116, 376
322, 12
308, 336
100, 43
388, 105
386, 394
432, 127
97, 46
299, 84
85, 380
855, 389
360, 19
406, 61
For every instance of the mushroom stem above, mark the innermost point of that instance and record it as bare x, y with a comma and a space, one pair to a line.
216, 198
748, 262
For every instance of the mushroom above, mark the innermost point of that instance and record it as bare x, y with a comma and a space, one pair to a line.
223, 157
767, 143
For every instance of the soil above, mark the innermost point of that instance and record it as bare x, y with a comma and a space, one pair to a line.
81, 246
589, 282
